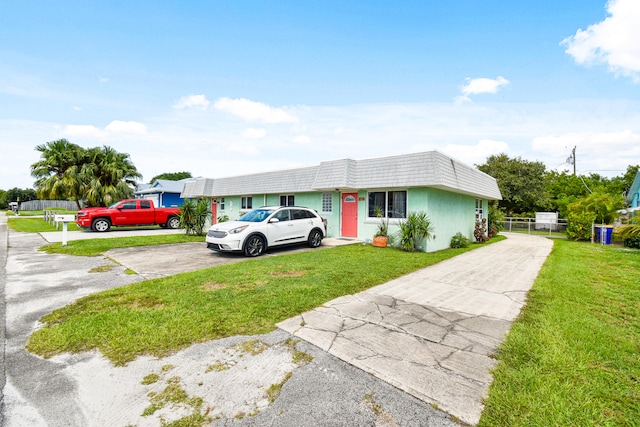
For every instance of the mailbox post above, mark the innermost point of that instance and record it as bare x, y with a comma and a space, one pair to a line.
64, 219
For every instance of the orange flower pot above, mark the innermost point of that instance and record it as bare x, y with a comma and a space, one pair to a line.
380, 241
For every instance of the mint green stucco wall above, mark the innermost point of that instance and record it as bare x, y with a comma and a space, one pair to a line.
450, 213
311, 200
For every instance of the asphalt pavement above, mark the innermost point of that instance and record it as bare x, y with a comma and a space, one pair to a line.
385, 357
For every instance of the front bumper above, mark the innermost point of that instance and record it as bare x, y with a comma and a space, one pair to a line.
223, 245
83, 222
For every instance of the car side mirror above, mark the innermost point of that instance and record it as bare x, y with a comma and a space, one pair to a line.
274, 220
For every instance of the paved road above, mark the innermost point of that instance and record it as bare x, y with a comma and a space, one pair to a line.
86, 390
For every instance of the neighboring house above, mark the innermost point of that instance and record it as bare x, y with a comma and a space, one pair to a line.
633, 196
164, 193
347, 193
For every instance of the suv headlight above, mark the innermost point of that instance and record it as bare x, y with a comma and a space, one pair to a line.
238, 229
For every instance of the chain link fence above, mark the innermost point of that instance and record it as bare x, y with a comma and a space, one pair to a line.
544, 227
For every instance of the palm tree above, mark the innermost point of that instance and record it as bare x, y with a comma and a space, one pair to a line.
57, 171
108, 176
628, 230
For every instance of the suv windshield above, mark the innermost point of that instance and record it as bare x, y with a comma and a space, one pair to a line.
257, 215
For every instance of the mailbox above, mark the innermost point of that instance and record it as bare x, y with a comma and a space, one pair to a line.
64, 219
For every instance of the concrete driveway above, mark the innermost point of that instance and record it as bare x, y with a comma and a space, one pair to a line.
381, 357
85, 389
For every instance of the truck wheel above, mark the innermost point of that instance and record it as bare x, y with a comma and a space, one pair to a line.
100, 225
173, 222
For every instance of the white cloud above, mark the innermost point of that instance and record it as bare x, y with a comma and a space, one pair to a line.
130, 127
302, 139
606, 133
614, 41
83, 131
478, 153
480, 85
252, 111
103, 79
252, 133
116, 127
595, 151
192, 101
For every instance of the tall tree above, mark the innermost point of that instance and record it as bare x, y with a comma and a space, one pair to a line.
521, 183
107, 176
563, 189
57, 171
172, 176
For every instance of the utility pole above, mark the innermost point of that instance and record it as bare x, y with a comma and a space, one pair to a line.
572, 159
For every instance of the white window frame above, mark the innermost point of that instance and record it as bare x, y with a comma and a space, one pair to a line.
246, 202
288, 198
371, 214
479, 209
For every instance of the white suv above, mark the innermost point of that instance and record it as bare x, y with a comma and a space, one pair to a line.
265, 227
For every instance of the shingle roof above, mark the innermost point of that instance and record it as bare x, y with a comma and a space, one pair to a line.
200, 187
426, 169
284, 181
163, 186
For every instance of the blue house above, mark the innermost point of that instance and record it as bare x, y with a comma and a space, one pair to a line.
633, 196
163, 192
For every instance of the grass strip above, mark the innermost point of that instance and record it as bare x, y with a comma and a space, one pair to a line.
37, 225
93, 247
157, 317
573, 355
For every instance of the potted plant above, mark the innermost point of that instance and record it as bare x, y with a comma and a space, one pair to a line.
381, 238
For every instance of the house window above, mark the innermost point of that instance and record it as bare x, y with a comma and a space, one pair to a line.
247, 202
221, 203
479, 210
390, 204
288, 200
327, 202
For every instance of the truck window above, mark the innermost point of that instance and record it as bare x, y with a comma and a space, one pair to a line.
129, 205
145, 204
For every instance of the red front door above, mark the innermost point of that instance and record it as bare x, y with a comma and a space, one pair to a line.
350, 215
214, 212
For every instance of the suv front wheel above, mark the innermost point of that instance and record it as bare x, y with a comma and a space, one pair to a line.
315, 238
254, 246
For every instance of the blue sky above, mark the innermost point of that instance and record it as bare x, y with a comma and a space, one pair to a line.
228, 88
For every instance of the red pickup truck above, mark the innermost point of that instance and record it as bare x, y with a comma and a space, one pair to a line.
128, 213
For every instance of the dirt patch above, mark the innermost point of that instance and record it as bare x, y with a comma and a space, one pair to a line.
213, 286
289, 274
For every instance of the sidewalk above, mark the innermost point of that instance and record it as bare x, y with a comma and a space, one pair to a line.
432, 333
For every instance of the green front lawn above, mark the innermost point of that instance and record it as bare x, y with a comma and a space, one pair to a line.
160, 316
93, 247
573, 356
36, 225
